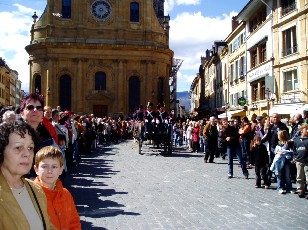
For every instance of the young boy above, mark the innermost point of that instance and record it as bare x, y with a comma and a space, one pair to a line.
60, 204
301, 159
261, 161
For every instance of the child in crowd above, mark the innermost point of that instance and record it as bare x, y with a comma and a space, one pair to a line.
62, 146
60, 204
282, 162
261, 161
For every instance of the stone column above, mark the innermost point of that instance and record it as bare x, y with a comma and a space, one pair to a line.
79, 83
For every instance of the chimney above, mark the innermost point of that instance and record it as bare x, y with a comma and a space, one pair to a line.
235, 23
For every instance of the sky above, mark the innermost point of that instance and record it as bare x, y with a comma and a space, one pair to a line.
194, 26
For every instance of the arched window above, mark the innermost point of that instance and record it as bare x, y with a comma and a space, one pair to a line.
134, 93
65, 92
100, 81
160, 90
38, 84
66, 9
134, 12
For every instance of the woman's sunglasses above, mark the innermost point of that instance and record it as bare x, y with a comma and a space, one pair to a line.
31, 107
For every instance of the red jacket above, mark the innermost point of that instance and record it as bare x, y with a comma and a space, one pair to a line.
61, 207
51, 129
196, 133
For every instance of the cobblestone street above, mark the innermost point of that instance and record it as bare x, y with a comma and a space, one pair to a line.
116, 188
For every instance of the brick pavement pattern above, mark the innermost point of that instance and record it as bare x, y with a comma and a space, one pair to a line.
116, 188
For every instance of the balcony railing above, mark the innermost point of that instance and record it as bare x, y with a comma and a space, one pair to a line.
289, 8
290, 50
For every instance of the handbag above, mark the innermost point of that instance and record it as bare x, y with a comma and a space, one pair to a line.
38, 205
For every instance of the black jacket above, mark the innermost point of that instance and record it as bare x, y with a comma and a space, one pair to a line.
260, 155
231, 132
272, 136
301, 149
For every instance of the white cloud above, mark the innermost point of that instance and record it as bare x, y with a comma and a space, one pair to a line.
14, 36
188, 2
191, 34
170, 4
183, 81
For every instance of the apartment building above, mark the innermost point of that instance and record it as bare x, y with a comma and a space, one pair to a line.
264, 68
290, 56
10, 85
257, 17
234, 72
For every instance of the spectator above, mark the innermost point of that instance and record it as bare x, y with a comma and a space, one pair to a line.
272, 138
233, 148
49, 164
281, 162
9, 117
195, 137
203, 123
189, 136
47, 122
210, 134
245, 134
23, 204
220, 140
297, 122
301, 159
260, 161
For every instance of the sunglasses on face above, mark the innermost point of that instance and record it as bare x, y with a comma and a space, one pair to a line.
32, 107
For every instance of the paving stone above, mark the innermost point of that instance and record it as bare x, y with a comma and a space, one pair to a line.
116, 188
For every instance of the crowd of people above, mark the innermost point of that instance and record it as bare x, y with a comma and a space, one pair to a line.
276, 148
40, 144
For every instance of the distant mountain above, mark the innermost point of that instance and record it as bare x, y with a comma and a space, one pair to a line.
184, 99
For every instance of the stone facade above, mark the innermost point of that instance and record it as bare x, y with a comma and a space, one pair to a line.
101, 56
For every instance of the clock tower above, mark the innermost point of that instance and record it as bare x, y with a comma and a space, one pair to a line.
101, 56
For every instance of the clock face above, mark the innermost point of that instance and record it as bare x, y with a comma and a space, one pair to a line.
101, 10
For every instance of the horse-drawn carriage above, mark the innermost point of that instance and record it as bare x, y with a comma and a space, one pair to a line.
160, 136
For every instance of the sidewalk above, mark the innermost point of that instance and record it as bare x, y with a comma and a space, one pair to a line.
116, 188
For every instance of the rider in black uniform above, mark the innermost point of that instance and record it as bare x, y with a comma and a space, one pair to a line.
150, 117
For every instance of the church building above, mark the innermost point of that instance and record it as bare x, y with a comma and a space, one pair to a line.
101, 56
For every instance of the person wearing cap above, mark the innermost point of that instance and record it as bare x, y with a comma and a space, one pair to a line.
163, 117
138, 115
149, 119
